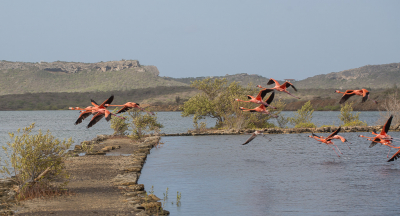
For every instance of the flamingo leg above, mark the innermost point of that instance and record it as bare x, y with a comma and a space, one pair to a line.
388, 152
348, 145
335, 151
338, 149
291, 95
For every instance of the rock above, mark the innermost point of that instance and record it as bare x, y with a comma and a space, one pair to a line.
107, 148
132, 169
78, 147
125, 179
154, 197
136, 187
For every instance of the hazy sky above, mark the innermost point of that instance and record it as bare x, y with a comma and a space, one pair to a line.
276, 39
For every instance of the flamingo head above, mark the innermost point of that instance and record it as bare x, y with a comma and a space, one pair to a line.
337, 91
360, 136
241, 108
236, 99
259, 86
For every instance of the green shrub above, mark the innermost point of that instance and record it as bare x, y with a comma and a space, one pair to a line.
119, 125
303, 117
36, 161
217, 100
347, 116
142, 123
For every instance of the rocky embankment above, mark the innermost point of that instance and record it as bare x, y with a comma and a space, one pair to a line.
283, 130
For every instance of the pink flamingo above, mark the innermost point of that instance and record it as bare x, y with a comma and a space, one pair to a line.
258, 99
279, 87
348, 93
99, 114
328, 140
261, 108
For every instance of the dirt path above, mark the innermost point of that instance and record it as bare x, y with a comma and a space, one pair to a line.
91, 184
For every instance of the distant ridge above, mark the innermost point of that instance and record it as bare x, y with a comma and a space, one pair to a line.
369, 76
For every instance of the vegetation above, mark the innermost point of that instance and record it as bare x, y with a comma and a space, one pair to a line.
303, 117
36, 161
119, 125
347, 116
391, 106
139, 123
217, 100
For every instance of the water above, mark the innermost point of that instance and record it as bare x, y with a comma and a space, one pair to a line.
287, 175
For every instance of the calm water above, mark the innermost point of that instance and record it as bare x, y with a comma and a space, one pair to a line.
216, 175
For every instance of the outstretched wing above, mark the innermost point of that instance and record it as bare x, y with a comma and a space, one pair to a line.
82, 117
333, 134
263, 92
365, 96
250, 139
386, 127
290, 84
395, 156
108, 101
95, 119
270, 98
374, 143
344, 98
123, 109
272, 81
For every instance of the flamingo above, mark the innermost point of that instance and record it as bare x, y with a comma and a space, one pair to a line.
280, 87
261, 108
328, 140
259, 98
253, 136
99, 114
382, 138
348, 93
86, 112
344, 140
128, 105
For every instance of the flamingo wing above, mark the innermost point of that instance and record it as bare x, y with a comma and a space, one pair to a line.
345, 97
290, 84
386, 127
374, 143
270, 98
250, 139
94, 103
95, 119
108, 101
82, 117
107, 115
123, 109
272, 81
365, 96
395, 156
333, 134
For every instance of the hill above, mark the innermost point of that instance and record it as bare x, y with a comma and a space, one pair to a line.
22, 77
369, 76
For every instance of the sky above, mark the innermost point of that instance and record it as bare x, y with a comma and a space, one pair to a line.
279, 39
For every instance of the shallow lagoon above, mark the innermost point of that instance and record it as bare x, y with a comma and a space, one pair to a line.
290, 174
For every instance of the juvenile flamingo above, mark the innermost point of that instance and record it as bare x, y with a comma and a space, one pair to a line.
328, 140
258, 99
348, 93
279, 87
261, 108
253, 136
129, 105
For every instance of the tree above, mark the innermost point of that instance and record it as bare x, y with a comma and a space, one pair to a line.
347, 116
35, 160
217, 100
303, 117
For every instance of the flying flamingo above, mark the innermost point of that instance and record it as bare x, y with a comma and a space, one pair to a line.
258, 99
261, 108
348, 93
280, 87
86, 112
382, 138
129, 105
99, 114
328, 140
344, 140
253, 136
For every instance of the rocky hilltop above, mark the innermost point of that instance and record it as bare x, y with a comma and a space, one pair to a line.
76, 67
